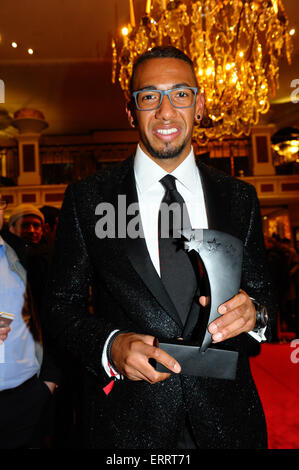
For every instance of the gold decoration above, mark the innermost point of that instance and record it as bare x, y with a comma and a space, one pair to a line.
285, 144
235, 46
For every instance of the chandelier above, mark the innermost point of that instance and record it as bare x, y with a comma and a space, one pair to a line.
235, 46
285, 144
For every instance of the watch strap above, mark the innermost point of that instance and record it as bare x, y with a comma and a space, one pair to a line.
261, 315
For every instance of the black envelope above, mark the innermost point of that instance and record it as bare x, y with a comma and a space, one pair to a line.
221, 255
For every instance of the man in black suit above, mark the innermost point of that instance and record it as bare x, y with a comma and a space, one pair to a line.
132, 303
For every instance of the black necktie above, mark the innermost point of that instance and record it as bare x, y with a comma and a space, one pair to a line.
177, 273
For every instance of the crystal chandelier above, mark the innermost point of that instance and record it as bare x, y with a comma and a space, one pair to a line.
235, 46
285, 144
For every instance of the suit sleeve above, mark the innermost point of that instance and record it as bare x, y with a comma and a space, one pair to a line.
255, 274
70, 326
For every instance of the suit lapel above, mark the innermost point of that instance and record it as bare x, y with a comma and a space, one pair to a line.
216, 200
138, 254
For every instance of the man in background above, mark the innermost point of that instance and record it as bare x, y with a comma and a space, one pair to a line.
25, 389
51, 215
26, 222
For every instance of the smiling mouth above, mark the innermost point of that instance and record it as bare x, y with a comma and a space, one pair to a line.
173, 130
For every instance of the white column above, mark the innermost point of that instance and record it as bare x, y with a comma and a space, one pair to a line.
262, 160
30, 124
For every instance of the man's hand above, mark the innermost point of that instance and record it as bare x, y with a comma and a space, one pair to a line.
130, 353
237, 316
51, 386
4, 333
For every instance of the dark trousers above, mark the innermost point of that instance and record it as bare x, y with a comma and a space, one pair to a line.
21, 409
186, 440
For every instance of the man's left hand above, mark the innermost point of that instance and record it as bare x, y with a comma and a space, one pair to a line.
237, 315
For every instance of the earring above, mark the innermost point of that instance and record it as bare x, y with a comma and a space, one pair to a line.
198, 116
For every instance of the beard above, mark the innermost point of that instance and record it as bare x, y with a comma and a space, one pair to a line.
167, 152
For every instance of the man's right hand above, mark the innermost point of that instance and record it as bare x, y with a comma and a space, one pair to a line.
4, 333
130, 353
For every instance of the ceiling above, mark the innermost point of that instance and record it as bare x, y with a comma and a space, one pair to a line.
68, 77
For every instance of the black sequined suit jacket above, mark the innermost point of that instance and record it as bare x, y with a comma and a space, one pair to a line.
127, 294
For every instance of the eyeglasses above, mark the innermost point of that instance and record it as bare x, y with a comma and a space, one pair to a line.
3, 205
148, 100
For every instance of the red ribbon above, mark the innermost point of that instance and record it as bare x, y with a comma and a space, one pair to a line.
109, 387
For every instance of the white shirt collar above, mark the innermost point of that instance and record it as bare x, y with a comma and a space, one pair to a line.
148, 173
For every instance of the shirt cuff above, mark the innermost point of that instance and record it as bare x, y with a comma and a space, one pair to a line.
259, 335
107, 367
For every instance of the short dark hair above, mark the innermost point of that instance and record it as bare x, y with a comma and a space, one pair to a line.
51, 214
160, 52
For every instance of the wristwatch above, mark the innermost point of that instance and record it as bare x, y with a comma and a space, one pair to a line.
261, 315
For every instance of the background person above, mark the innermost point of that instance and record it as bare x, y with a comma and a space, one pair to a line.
26, 221
25, 388
51, 215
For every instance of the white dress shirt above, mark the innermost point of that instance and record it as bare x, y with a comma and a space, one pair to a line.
150, 193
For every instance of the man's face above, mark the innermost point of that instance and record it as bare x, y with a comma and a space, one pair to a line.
50, 232
29, 228
166, 132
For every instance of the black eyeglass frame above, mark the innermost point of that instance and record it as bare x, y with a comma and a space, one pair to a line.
162, 94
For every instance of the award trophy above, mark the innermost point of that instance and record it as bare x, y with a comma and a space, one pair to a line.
221, 255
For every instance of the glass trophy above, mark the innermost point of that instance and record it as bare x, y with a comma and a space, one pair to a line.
220, 254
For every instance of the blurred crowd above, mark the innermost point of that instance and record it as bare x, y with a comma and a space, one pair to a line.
31, 232
283, 262
31, 412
